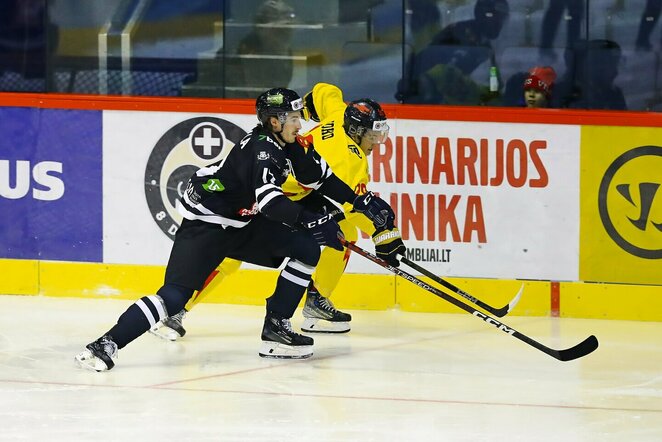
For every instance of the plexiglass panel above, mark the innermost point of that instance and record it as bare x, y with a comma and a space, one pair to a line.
591, 54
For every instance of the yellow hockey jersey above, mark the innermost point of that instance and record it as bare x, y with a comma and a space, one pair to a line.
340, 152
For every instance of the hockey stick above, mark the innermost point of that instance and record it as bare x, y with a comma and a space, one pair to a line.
498, 312
585, 347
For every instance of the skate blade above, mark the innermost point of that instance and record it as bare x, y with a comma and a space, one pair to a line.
314, 325
275, 350
87, 361
164, 332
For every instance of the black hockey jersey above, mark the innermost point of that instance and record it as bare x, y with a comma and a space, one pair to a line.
248, 181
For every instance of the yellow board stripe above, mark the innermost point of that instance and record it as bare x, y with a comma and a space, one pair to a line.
19, 277
355, 291
611, 301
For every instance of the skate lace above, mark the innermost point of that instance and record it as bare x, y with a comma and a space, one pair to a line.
326, 304
179, 316
287, 325
109, 347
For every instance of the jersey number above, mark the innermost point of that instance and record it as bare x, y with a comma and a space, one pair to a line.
267, 176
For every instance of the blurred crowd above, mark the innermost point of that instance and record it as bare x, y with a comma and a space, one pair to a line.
496, 52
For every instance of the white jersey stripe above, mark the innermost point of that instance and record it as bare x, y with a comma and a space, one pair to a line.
264, 188
214, 219
150, 318
199, 207
316, 185
295, 279
206, 171
301, 267
265, 200
160, 307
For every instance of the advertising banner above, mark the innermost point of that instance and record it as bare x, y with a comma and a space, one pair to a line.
148, 158
621, 211
473, 199
50, 184
484, 199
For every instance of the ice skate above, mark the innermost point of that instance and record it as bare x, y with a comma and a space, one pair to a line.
170, 328
320, 316
281, 342
98, 355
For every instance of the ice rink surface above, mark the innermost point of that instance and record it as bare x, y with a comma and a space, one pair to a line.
396, 376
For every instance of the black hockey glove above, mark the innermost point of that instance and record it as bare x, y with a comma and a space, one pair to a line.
388, 245
376, 210
324, 229
309, 106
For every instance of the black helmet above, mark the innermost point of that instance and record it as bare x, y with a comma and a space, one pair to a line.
365, 115
277, 102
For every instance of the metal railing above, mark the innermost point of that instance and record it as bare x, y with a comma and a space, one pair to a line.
119, 28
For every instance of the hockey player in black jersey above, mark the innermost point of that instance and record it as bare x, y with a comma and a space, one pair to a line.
236, 208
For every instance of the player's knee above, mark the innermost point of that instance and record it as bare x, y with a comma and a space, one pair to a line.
307, 251
174, 297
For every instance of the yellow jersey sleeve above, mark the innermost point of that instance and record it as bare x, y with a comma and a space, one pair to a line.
328, 100
329, 104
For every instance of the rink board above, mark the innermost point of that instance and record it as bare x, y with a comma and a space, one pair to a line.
482, 197
355, 291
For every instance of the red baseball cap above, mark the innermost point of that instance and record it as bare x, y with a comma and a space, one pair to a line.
541, 79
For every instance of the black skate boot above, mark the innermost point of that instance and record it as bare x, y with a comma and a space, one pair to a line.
320, 316
170, 328
280, 341
98, 355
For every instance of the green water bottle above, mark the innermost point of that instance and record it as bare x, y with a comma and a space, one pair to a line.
494, 79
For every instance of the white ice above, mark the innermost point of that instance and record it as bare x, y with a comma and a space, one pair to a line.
396, 376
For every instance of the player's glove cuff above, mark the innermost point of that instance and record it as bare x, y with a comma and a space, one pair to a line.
388, 245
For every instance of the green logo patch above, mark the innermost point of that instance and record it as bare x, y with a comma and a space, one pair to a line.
275, 99
213, 185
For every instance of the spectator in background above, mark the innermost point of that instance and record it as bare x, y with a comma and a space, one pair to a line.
538, 87
440, 72
649, 18
588, 82
27, 39
270, 41
550, 24
530, 89
422, 22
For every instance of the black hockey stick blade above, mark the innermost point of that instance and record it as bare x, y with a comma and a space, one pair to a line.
498, 312
582, 349
585, 347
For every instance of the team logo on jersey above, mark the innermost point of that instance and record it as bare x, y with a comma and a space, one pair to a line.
193, 196
263, 156
355, 150
180, 151
249, 212
630, 202
304, 141
213, 185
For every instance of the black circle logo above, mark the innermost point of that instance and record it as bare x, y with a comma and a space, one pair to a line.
630, 201
182, 150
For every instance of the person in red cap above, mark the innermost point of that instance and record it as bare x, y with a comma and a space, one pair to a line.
538, 86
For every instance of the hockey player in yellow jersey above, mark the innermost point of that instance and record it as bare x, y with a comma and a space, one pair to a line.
345, 137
